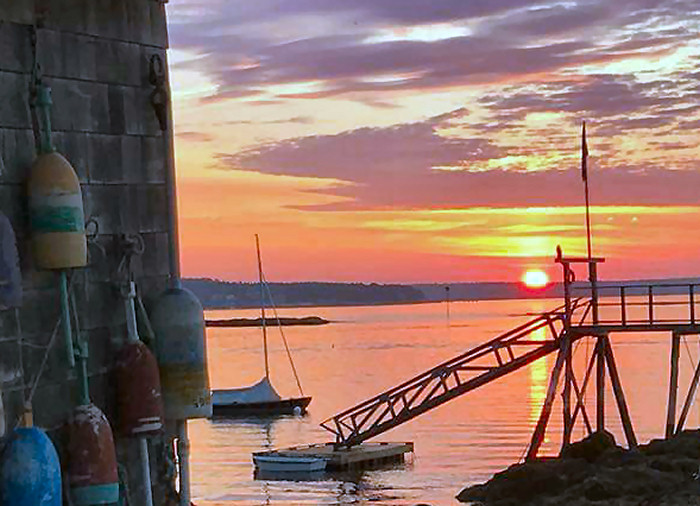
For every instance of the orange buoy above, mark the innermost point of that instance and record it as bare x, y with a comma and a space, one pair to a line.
56, 214
138, 384
92, 464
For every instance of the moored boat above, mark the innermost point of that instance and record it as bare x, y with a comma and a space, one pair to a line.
261, 399
276, 462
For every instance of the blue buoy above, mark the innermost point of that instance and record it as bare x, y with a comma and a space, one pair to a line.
30, 473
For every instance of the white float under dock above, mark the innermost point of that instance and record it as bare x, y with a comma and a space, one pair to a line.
362, 456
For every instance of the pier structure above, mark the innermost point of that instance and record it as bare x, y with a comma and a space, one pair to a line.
591, 309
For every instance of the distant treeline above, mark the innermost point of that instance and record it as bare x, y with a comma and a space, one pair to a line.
221, 294
224, 294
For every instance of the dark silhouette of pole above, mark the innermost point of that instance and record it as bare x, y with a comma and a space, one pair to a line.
584, 176
262, 305
447, 302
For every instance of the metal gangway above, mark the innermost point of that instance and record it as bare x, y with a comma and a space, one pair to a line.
601, 310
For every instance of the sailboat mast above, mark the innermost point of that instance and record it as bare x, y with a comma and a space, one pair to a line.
262, 306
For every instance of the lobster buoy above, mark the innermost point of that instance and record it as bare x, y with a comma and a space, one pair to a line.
138, 385
56, 214
30, 472
177, 318
10, 276
92, 464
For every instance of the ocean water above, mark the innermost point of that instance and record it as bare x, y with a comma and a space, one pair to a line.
369, 349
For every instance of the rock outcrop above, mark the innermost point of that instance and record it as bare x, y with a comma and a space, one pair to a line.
598, 471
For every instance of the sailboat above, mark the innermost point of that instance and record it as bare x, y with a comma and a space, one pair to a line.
261, 399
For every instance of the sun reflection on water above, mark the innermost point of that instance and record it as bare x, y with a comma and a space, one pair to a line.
538, 380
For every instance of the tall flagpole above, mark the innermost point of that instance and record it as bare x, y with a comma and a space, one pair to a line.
584, 175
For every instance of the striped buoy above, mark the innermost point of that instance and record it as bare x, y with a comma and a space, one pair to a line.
56, 214
30, 472
138, 385
177, 318
92, 464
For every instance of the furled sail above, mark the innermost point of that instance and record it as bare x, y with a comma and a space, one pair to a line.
262, 391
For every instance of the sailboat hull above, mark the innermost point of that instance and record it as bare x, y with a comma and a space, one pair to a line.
293, 406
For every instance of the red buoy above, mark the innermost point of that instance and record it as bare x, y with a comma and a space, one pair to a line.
92, 465
139, 401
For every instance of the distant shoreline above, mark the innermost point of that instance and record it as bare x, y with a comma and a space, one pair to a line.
216, 295
337, 304
257, 322
367, 304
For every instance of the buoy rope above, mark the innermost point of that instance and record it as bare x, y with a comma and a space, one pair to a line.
44, 360
131, 245
20, 343
690, 353
284, 339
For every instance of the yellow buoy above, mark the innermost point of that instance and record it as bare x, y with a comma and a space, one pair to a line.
56, 214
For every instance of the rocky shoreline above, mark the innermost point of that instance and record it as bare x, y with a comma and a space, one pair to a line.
597, 471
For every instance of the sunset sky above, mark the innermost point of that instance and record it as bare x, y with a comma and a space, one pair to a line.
418, 141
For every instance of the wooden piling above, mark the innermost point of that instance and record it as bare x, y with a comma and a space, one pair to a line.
566, 394
600, 382
619, 395
541, 427
689, 398
673, 385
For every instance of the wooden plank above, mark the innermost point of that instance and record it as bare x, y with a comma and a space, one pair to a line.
600, 382
619, 395
580, 403
673, 385
541, 427
566, 394
364, 455
689, 398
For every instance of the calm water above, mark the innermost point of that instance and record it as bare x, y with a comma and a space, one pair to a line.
369, 349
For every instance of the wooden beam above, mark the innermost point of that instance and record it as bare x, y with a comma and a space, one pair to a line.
689, 398
673, 385
619, 395
566, 394
541, 427
600, 382
581, 404
580, 401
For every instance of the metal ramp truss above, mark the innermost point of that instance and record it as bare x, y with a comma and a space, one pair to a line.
625, 308
477, 367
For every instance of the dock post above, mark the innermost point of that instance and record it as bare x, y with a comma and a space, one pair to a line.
600, 382
689, 398
541, 427
673, 385
566, 394
619, 396
593, 278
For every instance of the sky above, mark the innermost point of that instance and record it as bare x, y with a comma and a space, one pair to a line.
435, 141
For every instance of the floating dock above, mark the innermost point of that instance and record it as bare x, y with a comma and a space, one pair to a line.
362, 456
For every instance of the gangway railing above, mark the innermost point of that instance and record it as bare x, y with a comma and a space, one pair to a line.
644, 306
479, 366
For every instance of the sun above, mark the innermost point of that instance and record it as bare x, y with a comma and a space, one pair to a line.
535, 278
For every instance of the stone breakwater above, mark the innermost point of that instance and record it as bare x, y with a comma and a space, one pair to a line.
598, 471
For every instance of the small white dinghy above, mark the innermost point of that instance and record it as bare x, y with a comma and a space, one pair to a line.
274, 462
